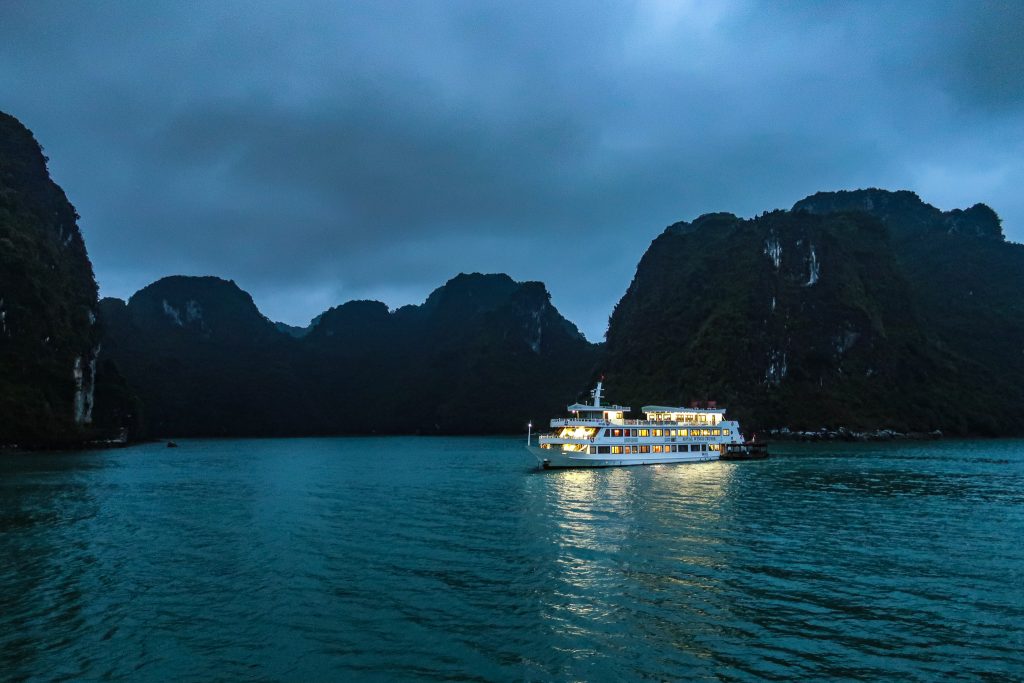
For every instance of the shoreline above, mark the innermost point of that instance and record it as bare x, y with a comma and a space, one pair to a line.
72, 445
850, 435
769, 436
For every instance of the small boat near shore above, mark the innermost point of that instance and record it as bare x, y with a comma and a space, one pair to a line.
598, 435
748, 450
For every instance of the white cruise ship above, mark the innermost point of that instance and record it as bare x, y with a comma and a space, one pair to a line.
598, 435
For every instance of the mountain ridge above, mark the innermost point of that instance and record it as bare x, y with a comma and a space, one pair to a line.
354, 367
862, 309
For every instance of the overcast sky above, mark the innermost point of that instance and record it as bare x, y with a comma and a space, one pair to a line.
318, 152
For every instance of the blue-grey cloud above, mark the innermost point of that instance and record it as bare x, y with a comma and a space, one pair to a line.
316, 152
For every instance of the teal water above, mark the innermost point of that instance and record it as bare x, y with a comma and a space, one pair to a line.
452, 559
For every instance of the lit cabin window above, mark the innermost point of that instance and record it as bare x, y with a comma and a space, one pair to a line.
656, 448
645, 449
656, 432
684, 432
616, 432
645, 432
617, 450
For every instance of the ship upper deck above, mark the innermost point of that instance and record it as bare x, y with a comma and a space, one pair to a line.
587, 408
597, 415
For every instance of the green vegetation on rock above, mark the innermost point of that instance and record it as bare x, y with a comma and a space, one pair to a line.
49, 340
867, 310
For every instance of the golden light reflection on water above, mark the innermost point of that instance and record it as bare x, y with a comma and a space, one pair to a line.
600, 518
699, 519
578, 493
634, 536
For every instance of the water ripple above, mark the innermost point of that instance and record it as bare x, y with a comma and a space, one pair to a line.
448, 559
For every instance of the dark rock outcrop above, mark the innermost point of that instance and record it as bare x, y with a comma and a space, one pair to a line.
204, 360
482, 354
49, 338
865, 310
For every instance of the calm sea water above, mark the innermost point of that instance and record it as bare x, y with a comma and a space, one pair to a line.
428, 558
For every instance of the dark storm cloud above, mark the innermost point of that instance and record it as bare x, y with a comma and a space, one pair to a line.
316, 152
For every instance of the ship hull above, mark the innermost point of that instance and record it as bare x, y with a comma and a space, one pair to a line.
552, 458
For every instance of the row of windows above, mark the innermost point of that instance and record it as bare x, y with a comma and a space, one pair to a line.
666, 432
700, 418
657, 448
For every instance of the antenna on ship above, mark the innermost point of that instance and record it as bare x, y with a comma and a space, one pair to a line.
596, 393
529, 432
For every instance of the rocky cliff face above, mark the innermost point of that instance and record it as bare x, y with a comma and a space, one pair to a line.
49, 340
820, 317
966, 284
482, 354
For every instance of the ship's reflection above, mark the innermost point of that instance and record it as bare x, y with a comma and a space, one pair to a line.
652, 530
576, 494
625, 513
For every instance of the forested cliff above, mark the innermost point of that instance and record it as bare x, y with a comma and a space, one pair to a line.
53, 389
865, 310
